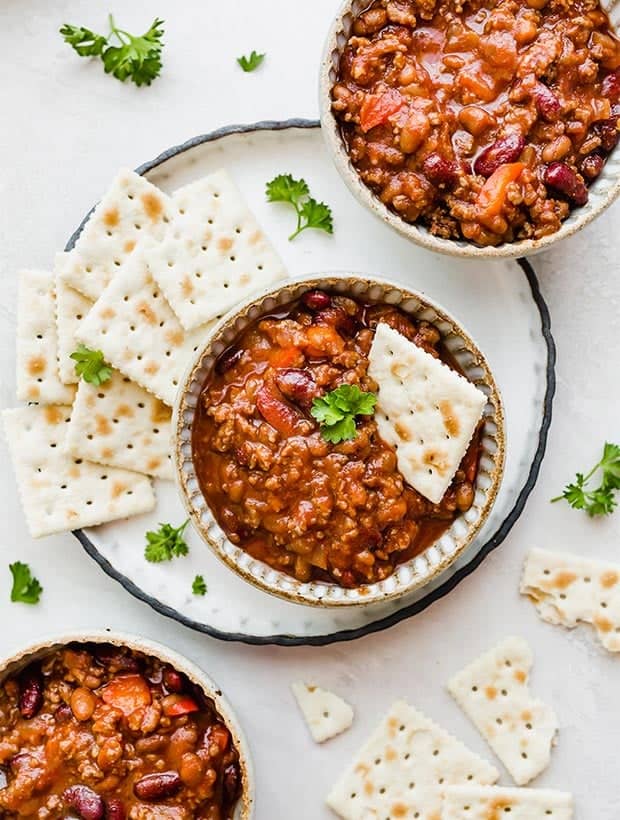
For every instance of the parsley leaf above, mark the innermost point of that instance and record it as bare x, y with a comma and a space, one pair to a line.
166, 543
123, 54
26, 589
83, 40
199, 586
601, 500
252, 62
310, 213
337, 410
91, 366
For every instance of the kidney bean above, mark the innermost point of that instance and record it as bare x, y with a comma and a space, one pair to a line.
115, 810
565, 180
157, 786
610, 87
547, 104
504, 150
228, 359
20, 761
88, 804
316, 300
115, 658
173, 680
592, 165
31, 692
231, 782
439, 170
63, 713
607, 132
297, 385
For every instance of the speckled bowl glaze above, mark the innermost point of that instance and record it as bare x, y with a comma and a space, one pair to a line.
603, 191
408, 576
15, 663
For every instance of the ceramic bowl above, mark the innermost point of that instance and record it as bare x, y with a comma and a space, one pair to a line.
603, 191
408, 576
15, 663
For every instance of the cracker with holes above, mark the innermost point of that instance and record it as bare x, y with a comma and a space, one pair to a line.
214, 253
326, 714
38, 378
473, 802
425, 410
130, 210
60, 492
568, 590
120, 424
405, 762
71, 310
494, 693
138, 333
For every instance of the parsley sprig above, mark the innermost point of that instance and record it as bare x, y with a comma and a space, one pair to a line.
199, 585
600, 500
337, 410
166, 543
310, 213
123, 54
26, 588
91, 365
252, 62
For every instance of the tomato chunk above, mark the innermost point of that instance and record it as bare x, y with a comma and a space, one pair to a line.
323, 340
377, 108
127, 693
174, 705
276, 412
286, 357
492, 197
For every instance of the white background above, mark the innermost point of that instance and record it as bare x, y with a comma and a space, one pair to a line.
65, 128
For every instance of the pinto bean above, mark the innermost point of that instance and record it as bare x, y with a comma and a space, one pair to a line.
31, 692
504, 150
88, 804
297, 385
158, 786
563, 179
83, 703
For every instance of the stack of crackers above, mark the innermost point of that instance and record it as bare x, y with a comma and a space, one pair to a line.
146, 279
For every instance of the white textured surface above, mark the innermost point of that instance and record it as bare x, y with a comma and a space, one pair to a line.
67, 129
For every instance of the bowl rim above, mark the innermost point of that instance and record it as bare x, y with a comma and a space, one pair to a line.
577, 220
178, 424
13, 663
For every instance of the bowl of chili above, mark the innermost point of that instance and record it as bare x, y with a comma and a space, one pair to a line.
107, 725
476, 130
312, 520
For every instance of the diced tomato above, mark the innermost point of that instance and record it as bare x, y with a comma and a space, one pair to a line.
276, 412
286, 357
492, 197
323, 340
127, 693
377, 108
174, 705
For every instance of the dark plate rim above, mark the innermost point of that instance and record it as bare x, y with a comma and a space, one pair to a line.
407, 612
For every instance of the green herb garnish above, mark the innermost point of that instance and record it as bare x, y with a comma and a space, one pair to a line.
91, 366
336, 411
26, 588
252, 62
602, 499
165, 544
123, 54
310, 213
199, 586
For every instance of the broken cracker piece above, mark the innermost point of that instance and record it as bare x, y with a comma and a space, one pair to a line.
326, 714
404, 763
473, 802
569, 589
493, 691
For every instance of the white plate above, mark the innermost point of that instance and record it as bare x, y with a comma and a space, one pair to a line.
497, 301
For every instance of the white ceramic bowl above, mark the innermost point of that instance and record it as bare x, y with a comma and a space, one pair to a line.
15, 663
409, 575
603, 191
